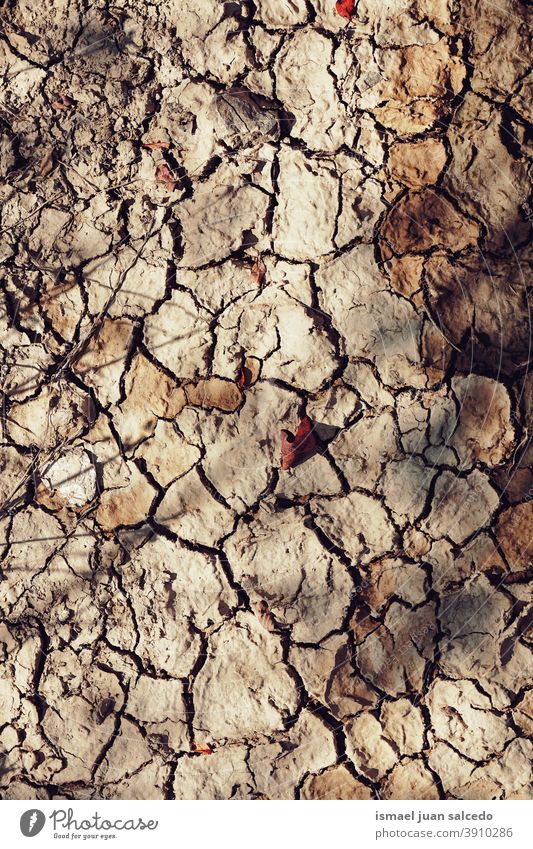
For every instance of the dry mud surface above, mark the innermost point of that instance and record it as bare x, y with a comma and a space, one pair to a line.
223, 223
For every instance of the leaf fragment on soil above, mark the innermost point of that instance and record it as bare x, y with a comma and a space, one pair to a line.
262, 611
249, 372
345, 8
258, 271
296, 448
201, 748
63, 101
46, 165
156, 145
164, 175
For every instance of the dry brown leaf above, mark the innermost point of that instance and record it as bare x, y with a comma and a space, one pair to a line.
46, 165
258, 271
296, 448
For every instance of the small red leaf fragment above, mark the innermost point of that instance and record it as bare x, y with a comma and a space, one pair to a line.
201, 748
164, 175
345, 8
157, 145
63, 102
242, 382
258, 271
296, 448
262, 611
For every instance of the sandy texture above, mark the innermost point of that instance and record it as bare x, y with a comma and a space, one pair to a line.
221, 221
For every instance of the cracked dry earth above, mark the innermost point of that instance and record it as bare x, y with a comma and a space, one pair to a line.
221, 221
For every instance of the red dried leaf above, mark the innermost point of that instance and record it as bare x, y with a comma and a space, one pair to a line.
262, 611
296, 448
242, 381
164, 175
157, 145
201, 748
345, 8
63, 102
258, 271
